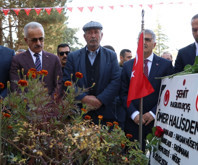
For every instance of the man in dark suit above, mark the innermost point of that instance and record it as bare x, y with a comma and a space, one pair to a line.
6, 55
98, 65
187, 54
157, 67
36, 57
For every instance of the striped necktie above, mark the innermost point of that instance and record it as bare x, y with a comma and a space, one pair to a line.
38, 62
146, 67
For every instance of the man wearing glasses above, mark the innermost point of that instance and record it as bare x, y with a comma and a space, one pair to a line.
62, 51
154, 66
36, 57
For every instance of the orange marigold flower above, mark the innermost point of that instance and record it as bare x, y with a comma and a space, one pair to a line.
9, 127
79, 75
6, 115
128, 135
44, 72
100, 117
109, 124
23, 83
115, 123
25, 100
39, 72
2, 85
68, 83
87, 117
122, 145
84, 110
32, 70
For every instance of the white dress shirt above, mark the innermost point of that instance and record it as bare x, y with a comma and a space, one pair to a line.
34, 58
196, 44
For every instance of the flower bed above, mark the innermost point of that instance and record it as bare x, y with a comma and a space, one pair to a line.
36, 129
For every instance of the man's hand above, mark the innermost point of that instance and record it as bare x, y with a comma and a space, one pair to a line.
92, 101
137, 120
147, 117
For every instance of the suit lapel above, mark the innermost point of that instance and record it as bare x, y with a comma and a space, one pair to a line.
103, 65
28, 59
45, 58
154, 67
82, 66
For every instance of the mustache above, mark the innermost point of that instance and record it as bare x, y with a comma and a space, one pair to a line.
38, 46
93, 40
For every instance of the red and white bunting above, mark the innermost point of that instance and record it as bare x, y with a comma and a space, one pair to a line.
48, 10
59, 9
70, 8
81, 8
38, 10
102, 7
17, 11
27, 11
5, 11
91, 8
112, 7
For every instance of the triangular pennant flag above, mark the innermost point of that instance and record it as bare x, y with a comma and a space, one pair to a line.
81, 8
150, 5
27, 10
102, 7
112, 7
5, 11
121, 5
131, 5
91, 8
141, 5
38, 10
59, 9
17, 11
48, 10
69, 8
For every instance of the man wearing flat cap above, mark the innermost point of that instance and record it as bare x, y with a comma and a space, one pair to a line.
100, 66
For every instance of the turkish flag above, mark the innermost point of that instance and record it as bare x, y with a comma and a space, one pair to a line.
139, 84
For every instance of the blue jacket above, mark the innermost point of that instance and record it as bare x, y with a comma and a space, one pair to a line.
185, 56
6, 55
109, 80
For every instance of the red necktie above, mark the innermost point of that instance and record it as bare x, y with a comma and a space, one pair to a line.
146, 67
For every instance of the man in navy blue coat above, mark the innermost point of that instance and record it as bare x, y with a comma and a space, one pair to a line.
6, 55
98, 65
187, 54
157, 67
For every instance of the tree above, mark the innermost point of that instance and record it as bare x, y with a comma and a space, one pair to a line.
161, 40
56, 30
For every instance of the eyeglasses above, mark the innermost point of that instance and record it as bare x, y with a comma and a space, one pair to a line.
41, 39
148, 39
62, 53
194, 30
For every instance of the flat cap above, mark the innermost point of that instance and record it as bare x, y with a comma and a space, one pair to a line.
92, 24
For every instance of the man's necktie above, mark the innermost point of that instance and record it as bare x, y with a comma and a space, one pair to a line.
146, 67
38, 62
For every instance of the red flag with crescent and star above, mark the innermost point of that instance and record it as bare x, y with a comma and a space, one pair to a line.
139, 84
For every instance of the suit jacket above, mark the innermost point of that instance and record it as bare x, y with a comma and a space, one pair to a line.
6, 55
185, 56
160, 67
109, 79
50, 62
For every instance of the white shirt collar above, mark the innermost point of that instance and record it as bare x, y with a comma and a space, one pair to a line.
196, 44
150, 58
32, 53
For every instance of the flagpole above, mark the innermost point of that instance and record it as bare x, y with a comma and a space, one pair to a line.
141, 99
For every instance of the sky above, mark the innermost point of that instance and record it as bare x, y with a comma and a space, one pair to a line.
122, 24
